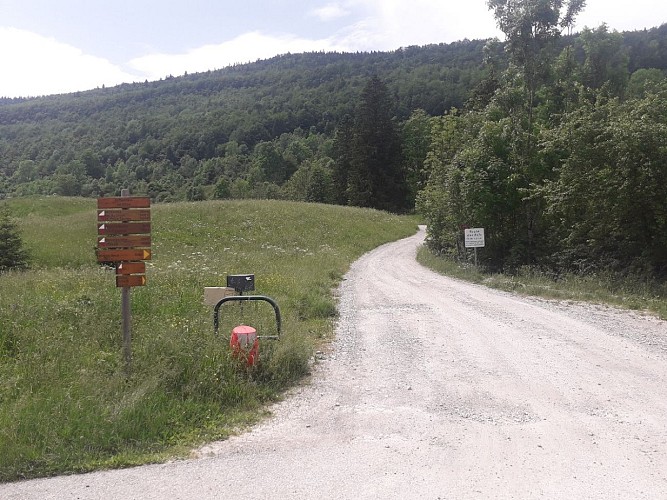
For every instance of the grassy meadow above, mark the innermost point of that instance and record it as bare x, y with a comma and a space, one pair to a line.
67, 403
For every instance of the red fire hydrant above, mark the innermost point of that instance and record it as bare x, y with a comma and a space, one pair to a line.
245, 344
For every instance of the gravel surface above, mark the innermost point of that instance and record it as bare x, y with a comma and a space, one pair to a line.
438, 389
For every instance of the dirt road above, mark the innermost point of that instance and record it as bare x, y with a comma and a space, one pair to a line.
437, 389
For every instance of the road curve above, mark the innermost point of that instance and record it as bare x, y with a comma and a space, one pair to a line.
438, 389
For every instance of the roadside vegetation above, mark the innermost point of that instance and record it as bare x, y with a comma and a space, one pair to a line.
66, 402
628, 292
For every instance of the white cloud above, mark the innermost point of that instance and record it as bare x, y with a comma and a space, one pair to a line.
330, 12
244, 48
639, 15
38, 65
391, 24
35, 65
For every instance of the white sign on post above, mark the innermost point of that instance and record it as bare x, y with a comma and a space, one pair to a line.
474, 238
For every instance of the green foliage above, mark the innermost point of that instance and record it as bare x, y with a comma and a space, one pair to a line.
606, 61
416, 139
563, 163
13, 255
609, 202
644, 81
222, 189
67, 403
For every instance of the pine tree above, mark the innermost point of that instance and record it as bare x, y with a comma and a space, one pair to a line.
12, 253
376, 177
343, 146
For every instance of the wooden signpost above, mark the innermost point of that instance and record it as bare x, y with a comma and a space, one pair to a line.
123, 229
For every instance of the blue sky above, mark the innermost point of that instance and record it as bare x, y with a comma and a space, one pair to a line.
56, 46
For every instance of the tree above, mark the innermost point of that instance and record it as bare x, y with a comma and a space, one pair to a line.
12, 253
376, 177
532, 28
271, 163
342, 151
416, 142
644, 81
609, 203
195, 193
441, 202
222, 189
606, 61
27, 171
319, 187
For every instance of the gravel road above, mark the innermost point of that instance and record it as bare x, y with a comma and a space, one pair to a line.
438, 389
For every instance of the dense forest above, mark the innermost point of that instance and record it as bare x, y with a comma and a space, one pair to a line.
554, 142
246, 129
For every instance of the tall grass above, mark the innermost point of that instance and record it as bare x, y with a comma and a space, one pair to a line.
66, 401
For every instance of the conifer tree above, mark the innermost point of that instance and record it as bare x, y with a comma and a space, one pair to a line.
12, 253
343, 145
376, 177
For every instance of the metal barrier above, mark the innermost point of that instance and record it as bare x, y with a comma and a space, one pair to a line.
245, 298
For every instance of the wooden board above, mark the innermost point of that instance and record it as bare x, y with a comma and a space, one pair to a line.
124, 242
130, 280
131, 268
123, 255
123, 215
124, 202
124, 228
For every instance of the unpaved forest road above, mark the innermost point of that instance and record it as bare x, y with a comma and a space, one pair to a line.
440, 389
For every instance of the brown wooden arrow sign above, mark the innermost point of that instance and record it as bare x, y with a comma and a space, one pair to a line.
124, 228
123, 215
130, 280
123, 255
131, 268
124, 202
124, 241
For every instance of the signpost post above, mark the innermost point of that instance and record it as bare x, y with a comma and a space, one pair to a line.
124, 239
474, 238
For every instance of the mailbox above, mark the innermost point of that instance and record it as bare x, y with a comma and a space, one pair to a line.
241, 282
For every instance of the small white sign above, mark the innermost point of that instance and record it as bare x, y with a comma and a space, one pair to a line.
474, 238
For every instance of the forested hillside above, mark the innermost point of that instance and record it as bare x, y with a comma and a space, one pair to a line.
243, 131
554, 143
171, 137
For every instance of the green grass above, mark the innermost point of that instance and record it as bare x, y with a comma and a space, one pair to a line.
66, 401
628, 293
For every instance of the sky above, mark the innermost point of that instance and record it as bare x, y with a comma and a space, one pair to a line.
59, 46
